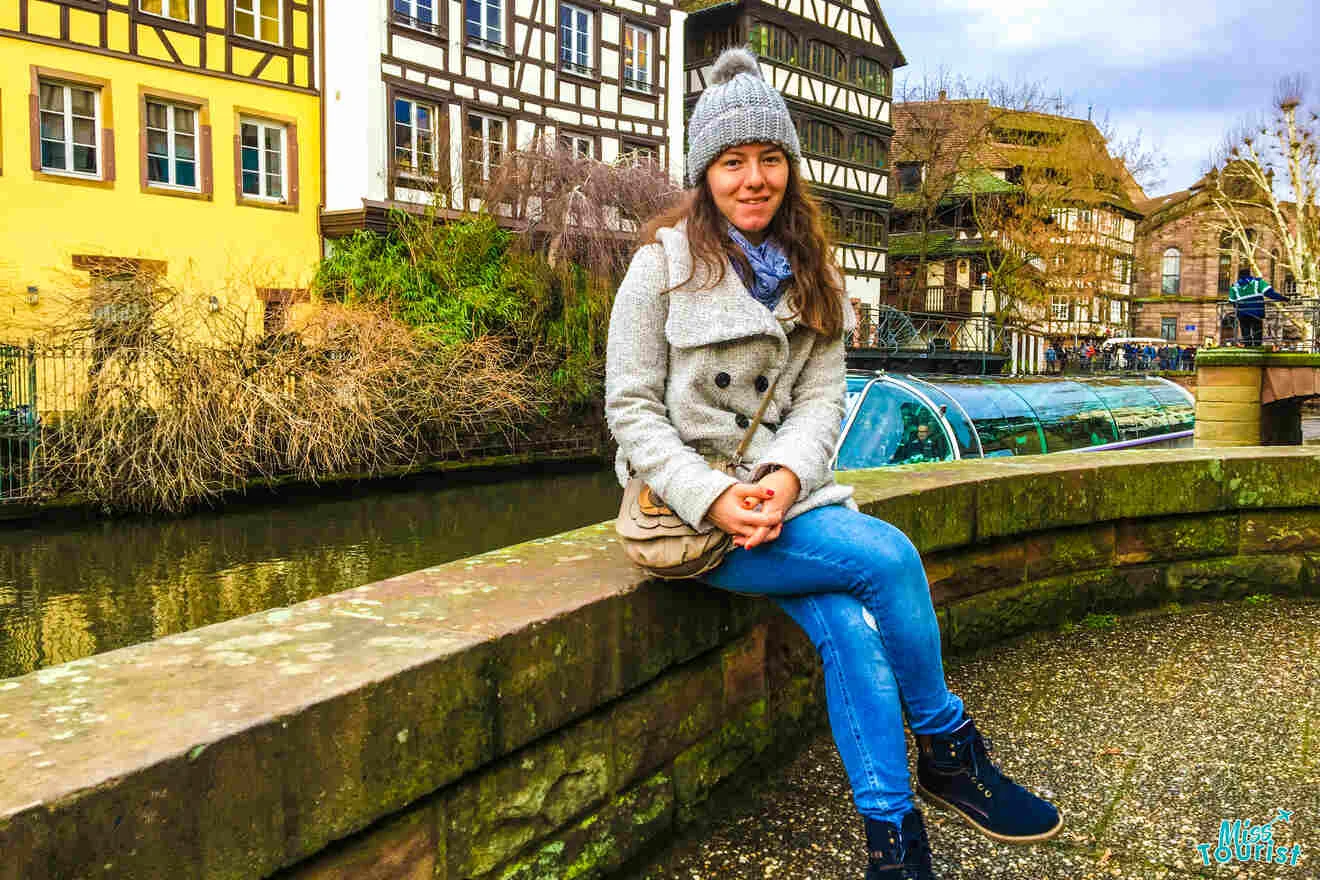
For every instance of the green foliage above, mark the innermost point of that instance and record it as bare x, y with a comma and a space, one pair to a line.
1259, 599
455, 282
1100, 621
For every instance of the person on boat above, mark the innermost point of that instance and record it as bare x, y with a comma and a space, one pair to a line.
921, 446
734, 288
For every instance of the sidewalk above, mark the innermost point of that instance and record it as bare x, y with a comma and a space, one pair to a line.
1146, 734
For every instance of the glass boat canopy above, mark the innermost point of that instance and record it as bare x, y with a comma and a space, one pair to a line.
893, 419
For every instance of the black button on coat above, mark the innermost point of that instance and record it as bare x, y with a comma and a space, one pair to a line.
762, 383
722, 380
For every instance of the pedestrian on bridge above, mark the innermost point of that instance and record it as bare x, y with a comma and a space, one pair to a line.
1248, 297
732, 296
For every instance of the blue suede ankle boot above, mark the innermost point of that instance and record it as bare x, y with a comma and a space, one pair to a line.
898, 853
954, 771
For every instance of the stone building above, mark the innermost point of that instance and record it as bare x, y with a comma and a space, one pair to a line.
1187, 262
833, 62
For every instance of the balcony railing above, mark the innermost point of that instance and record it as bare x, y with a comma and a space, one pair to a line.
576, 69
417, 24
637, 85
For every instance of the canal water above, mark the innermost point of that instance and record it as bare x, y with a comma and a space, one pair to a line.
70, 591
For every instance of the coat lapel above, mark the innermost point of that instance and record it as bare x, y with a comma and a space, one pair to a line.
701, 314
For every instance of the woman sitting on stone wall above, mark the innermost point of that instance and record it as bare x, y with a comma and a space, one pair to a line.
730, 292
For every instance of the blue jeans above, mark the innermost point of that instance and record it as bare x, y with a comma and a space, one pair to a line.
856, 586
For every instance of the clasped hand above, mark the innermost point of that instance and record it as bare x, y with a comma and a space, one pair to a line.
753, 513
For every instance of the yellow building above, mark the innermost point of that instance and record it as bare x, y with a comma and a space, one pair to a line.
179, 138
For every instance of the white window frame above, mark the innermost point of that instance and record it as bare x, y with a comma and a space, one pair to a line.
262, 126
171, 147
165, 11
635, 152
484, 26
577, 15
67, 114
1176, 274
411, 146
1059, 308
254, 7
410, 11
483, 161
574, 141
631, 55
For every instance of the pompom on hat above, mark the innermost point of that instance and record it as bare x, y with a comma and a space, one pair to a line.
738, 107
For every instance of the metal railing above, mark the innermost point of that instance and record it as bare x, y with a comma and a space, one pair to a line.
1287, 326
884, 328
18, 422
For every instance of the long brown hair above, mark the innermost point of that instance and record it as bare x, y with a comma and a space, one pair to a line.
816, 293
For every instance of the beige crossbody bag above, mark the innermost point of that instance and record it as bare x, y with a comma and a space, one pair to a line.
658, 541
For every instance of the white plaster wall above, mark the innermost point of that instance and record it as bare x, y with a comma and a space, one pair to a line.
678, 24
355, 112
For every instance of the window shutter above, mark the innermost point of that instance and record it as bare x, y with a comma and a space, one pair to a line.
34, 125
292, 162
238, 163
204, 159
108, 148
142, 146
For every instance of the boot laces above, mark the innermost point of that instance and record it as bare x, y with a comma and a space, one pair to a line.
919, 848
975, 751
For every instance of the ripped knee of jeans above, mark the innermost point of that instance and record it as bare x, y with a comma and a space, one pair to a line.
870, 620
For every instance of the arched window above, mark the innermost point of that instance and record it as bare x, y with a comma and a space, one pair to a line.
822, 138
1289, 284
1225, 261
1274, 267
868, 149
826, 60
869, 74
1171, 272
773, 41
866, 227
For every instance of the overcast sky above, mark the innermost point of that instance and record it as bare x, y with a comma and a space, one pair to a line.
1180, 71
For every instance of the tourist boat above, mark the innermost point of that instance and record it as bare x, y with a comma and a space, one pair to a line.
984, 417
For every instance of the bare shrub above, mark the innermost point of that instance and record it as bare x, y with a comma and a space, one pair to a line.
161, 421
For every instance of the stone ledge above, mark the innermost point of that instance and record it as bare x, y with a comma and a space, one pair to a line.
252, 745
1254, 357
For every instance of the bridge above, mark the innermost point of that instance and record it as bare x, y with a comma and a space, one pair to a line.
1251, 396
542, 711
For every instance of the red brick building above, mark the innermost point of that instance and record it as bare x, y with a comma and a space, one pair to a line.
1186, 262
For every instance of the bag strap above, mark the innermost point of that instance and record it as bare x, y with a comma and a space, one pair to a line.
756, 423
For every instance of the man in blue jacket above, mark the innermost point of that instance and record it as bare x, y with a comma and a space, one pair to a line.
1248, 296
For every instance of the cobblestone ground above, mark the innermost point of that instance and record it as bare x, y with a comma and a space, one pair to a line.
1147, 733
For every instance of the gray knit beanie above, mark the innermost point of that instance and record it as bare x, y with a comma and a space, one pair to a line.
738, 107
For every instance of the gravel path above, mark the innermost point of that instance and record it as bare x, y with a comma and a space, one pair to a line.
1147, 731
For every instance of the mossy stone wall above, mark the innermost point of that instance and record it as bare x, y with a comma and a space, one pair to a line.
543, 713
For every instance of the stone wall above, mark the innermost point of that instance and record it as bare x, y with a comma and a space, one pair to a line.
541, 713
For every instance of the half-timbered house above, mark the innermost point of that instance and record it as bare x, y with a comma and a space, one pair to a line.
833, 62
178, 138
424, 97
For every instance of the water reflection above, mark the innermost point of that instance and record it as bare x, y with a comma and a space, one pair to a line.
70, 591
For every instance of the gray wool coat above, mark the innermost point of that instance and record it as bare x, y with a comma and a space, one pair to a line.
685, 372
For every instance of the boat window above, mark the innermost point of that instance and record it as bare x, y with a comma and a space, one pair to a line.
1004, 422
1179, 410
963, 430
1071, 415
1136, 411
893, 426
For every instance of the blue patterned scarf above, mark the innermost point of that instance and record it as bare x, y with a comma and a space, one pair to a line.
770, 268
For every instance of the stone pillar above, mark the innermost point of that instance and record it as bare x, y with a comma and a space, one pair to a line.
1227, 405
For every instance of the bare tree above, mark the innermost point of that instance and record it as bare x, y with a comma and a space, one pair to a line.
1269, 169
577, 208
